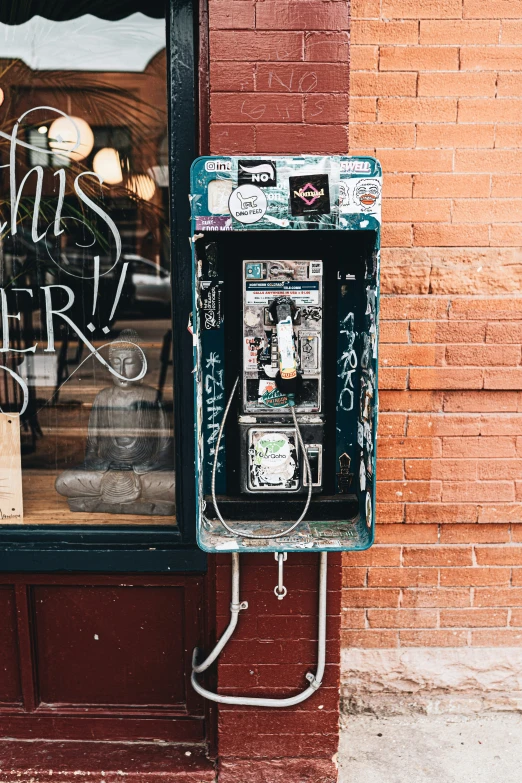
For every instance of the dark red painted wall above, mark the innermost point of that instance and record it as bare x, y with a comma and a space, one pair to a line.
278, 84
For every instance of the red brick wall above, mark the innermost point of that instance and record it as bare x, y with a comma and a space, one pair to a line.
436, 95
278, 83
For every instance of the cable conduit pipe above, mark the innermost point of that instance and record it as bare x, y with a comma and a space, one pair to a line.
235, 607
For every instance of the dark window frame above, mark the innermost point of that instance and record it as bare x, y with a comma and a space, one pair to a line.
144, 548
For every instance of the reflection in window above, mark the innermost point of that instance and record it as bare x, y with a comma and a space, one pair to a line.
84, 263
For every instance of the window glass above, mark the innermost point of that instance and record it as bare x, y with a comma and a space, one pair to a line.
85, 264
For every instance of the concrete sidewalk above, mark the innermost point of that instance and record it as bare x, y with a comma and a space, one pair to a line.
431, 749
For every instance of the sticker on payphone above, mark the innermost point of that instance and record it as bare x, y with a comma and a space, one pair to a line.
272, 460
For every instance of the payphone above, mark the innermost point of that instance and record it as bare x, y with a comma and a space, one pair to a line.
285, 328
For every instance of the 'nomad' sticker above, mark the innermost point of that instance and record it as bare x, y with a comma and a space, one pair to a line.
310, 195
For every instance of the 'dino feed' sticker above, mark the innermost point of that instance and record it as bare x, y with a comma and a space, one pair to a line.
247, 204
309, 195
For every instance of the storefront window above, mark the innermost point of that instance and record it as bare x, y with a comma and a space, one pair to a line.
85, 265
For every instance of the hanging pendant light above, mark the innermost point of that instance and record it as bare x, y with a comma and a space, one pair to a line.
107, 165
67, 132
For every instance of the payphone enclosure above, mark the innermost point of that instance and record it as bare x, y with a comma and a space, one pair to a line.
285, 331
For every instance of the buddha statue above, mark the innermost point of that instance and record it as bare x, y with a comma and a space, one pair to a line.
128, 466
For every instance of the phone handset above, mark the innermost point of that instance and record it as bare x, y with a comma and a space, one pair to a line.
282, 311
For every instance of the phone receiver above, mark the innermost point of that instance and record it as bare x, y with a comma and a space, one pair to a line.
282, 311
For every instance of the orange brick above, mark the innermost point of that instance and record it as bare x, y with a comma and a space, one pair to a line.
451, 186
410, 491
436, 597
489, 110
503, 379
495, 58
455, 135
353, 618
413, 307
389, 512
504, 332
473, 618
503, 424
500, 9
433, 638
236, 15
409, 447
411, 401
395, 235
407, 534
376, 556
421, 426
256, 45
445, 378
508, 136
500, 469
483, 355
511, 31
444, 332
370, 597
393, 378
369, 639
499, 161
402, 618
381, 84
476, 308
402, 577
516, 617
516, 534
443, 235
327, 47
498, 210
499, 596
394, 332
437, 556
383, 135
458, 84
499, 555
479, 447
417, 110
472, 534
462, 402
420, 469
474, 577
365, 9
505, 235
396, 161
364, 58
416, 355
390, 470
392, 424
509, 85
354, 577
301, 15
397, 32
363, 110
460, 32
417, 210
419, 58
500, 512
422, 9
500, 637
441, 512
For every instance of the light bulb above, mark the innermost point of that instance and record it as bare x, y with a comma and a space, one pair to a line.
142, 186
107, 165
67, 132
